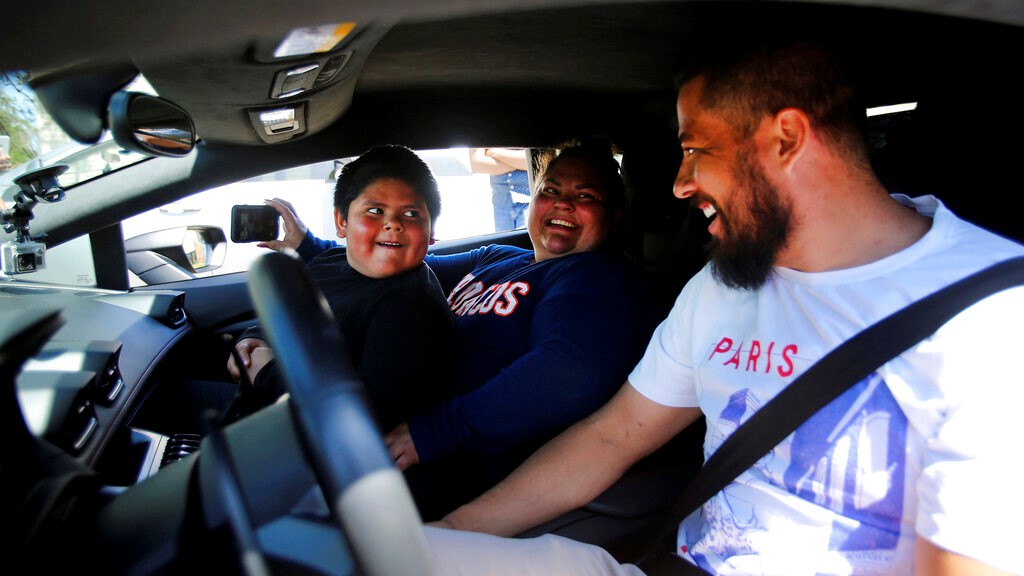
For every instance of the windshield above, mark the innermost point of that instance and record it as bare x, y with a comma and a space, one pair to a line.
30, 139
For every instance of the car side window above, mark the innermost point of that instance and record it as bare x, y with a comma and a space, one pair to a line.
69, 264
467, 210
309, 189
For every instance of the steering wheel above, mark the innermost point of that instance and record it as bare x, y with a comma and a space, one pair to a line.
366, 493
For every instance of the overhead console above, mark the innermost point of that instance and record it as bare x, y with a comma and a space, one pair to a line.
291, 85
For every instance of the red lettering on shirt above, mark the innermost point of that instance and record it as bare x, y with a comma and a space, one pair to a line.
724, 345
735, 358
787, 358
750, 360
755, 353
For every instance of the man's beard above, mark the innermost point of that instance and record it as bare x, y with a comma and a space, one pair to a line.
755, 230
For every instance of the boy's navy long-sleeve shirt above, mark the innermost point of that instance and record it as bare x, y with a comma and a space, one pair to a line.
399, 334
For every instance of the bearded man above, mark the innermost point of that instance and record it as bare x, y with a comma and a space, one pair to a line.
909, 471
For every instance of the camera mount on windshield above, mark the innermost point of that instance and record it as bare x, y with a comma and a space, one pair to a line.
23, 255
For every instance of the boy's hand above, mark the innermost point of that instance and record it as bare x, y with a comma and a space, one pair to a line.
245, 348
259, 357
294, 229
400, 446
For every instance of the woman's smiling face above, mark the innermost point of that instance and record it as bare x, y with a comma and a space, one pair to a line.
569, 213
387, 230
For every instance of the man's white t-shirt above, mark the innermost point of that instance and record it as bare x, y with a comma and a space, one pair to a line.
929, 444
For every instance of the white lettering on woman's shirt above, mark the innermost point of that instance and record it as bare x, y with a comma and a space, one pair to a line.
469, 298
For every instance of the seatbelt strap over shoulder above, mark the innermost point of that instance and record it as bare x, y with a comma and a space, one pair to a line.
827, 379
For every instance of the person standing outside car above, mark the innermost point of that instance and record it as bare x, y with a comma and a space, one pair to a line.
5, 165
508, 169
5, 158
912, 471
544, 336
388, 304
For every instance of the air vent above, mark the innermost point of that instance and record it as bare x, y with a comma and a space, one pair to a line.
178, 447
109, 383
79, 426
176, 316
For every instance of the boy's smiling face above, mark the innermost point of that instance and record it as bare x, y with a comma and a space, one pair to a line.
387, 230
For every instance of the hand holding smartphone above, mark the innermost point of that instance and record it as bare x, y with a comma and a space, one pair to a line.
254, 223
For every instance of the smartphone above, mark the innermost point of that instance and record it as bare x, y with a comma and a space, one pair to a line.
253, 223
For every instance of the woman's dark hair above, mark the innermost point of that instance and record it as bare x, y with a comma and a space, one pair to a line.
599, 152
387, 161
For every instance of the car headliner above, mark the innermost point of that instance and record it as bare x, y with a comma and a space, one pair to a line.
119, 27
201, 56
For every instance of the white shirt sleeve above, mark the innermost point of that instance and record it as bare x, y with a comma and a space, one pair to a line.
969, 497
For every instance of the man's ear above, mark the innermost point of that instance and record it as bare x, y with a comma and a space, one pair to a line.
791, 129
339, 223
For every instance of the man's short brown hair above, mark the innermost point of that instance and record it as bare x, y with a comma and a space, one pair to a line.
754, 78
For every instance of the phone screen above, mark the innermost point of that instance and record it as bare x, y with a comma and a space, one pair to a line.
253, 223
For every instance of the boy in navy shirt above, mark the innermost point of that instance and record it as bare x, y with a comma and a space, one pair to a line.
387, 302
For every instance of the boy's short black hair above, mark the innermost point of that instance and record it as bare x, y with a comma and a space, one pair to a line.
387, 161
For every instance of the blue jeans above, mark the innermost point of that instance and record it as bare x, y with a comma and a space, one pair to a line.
506, 189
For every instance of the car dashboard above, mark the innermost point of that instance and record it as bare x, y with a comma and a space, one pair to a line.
82, 389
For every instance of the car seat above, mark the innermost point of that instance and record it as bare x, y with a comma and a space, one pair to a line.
661, 232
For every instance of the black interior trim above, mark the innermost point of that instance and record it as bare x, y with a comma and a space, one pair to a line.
110, 263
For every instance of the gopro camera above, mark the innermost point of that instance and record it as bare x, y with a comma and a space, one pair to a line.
253, 223
23, 257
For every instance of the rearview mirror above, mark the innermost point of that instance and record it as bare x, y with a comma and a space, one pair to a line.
150, 125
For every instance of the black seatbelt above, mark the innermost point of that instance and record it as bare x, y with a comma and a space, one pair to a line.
826, 380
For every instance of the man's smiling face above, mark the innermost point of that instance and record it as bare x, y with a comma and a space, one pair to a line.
723, 177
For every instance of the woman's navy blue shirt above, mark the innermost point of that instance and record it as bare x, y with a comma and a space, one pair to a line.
540, 345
